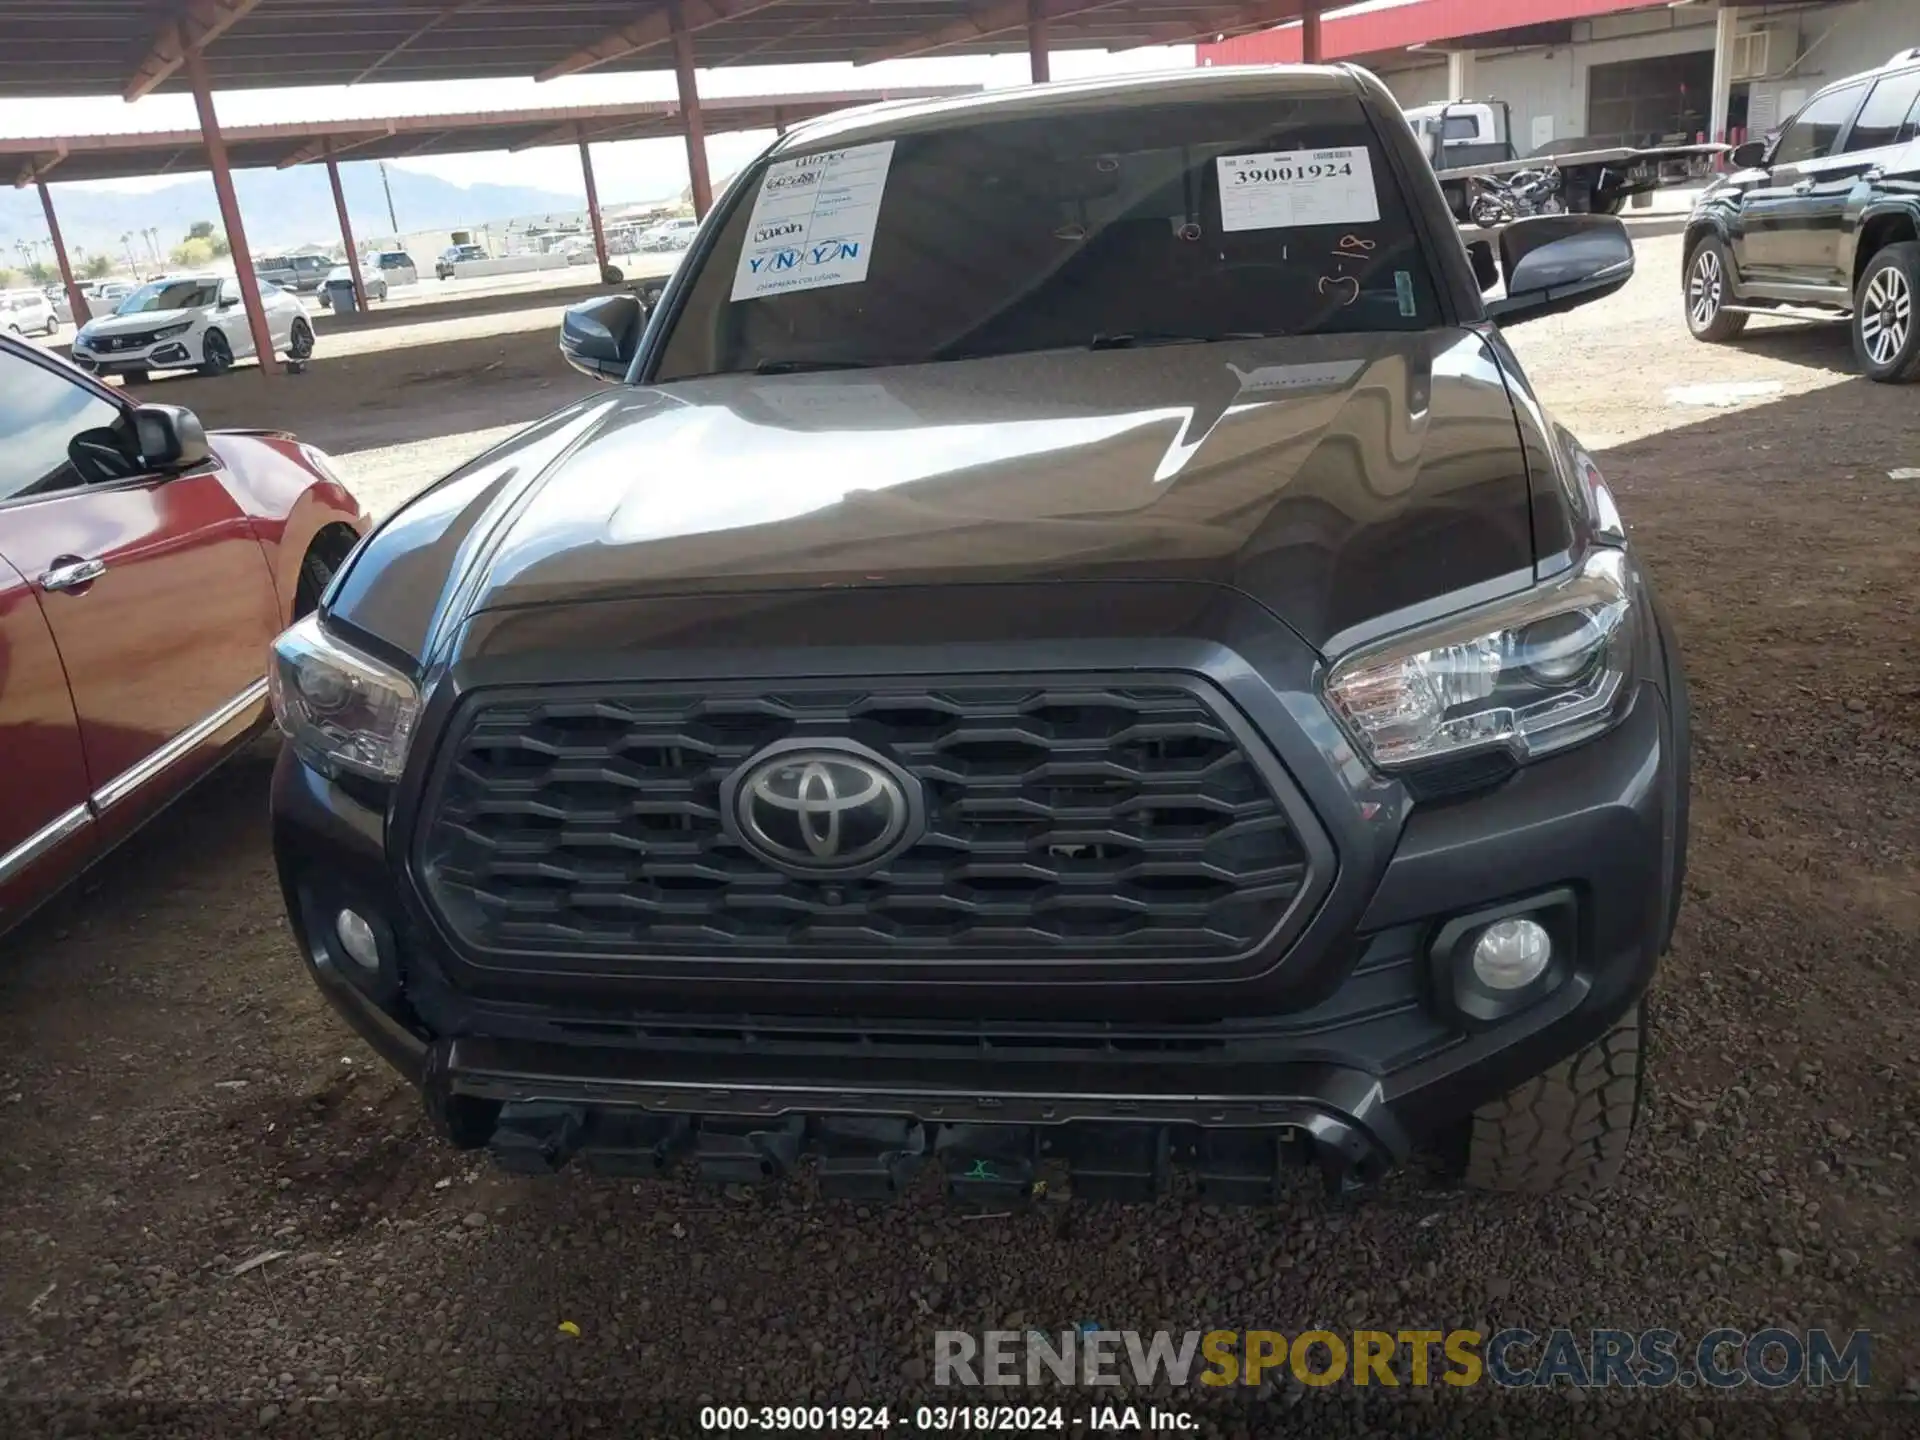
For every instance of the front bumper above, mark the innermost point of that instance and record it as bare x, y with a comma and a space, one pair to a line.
1355, 1056
175, 353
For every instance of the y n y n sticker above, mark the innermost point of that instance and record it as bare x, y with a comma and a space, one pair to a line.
1285, 189
813, 221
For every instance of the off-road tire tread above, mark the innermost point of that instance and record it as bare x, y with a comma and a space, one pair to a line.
1565, 1132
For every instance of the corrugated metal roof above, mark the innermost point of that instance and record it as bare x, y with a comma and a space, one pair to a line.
113, 156
106, 47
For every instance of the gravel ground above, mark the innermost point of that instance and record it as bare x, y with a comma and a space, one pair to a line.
175, 1102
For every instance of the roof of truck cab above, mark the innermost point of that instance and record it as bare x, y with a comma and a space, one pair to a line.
898, 117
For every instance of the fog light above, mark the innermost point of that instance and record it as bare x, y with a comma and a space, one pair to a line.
356, 938
1509, 955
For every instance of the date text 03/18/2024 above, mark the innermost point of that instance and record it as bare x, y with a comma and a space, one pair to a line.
944, 1419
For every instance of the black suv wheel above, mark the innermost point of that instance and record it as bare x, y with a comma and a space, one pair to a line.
1885, 335
1709, 288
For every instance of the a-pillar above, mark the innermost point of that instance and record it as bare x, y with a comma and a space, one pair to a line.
346, 228
1725, 27
1037, 40
699, 182
1310, 51
196, 69
593, 208
1460, 76
75, 300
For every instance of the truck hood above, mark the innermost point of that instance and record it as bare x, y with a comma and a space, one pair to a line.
1332, 479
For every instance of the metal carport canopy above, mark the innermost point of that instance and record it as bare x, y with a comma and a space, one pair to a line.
133, 47
249, 147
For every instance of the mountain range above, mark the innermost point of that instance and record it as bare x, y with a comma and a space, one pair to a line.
281, 208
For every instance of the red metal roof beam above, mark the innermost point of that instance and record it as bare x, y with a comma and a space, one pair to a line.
572, 131
651, 29
37, 166
981, 24
200, 23
332, 147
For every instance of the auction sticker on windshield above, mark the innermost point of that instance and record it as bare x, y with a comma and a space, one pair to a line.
813, 222
1283, 189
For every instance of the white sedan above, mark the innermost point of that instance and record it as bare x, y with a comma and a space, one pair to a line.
188, 322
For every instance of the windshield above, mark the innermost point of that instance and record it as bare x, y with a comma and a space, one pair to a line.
171, 295
1137, 225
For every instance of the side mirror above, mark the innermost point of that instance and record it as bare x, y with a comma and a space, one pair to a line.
600, 337
168, 437
1559, 262
1748, 155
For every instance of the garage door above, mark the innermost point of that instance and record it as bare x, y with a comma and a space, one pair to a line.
1644, 100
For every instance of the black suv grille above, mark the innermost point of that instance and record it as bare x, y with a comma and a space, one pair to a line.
1067, 819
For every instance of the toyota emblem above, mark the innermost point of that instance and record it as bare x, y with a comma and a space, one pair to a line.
824, 808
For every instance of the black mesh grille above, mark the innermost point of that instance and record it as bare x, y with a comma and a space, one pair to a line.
1065, 821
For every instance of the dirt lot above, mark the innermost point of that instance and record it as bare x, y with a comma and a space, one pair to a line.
175, 1100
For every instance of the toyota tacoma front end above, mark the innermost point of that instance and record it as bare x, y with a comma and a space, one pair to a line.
1074, 645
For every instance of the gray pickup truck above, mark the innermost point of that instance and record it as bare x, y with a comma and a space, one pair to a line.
1069, 645
301, 273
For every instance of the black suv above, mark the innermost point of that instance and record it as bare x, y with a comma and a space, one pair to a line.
1072, 644
1822, 220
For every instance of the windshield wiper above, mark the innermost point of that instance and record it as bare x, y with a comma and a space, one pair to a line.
795, 367
1134, 339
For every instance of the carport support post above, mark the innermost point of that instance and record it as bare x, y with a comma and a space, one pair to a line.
699, 182
1037, 40
1310, 35
196, 69
1460, 79
346, 228
593, 208
75, 300
1726, 26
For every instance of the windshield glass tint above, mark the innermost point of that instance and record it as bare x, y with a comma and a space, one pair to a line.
1075, 229
170, 295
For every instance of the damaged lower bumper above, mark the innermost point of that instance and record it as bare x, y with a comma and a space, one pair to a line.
539, 1108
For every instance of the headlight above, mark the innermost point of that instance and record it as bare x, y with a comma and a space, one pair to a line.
341, 710
167, 331
1532, 674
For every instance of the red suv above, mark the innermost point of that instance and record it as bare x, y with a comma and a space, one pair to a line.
144, 568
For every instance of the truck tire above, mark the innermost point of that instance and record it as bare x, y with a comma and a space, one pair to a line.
1708, 288
1565, 1132
1886, 327
1611, 203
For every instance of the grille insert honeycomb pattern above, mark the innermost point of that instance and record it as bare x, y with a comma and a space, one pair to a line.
1065, 821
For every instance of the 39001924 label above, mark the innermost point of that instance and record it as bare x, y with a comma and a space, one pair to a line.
1285, 189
